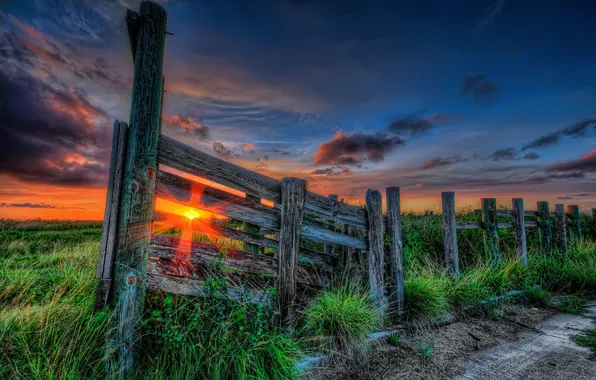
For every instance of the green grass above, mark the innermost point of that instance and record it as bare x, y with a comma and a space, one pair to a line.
587, 339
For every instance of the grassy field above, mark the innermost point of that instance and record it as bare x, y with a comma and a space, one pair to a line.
48, 329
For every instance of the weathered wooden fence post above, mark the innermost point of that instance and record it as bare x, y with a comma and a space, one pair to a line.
293, 195
575, 227
251, 228
136, 207
450, 233
375, 246
519, 229
396, 260
561, 227
491, 235
544, 226
109, 234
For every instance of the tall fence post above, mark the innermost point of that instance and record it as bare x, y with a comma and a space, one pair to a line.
293, 195
396, 260
450, 233
375, 246
544, 226
575, 227
561, 227
136, 208
491, 235
251, 228
109, 235
519, 229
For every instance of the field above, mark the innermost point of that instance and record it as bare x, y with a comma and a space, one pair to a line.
49, 331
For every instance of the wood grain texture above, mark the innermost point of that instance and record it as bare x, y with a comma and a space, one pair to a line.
219, 202
293, 196
575, 228
560, 227
519, 230
491, 236
136, 206
179, 156
252, 229
330, 248
110, 231
545, 226
397, 299
450, 233
376, 255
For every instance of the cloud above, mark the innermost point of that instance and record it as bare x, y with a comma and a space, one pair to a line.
586, 163
415, 125
248, 147
439, 162
333, 171
576, 130
505, 154
27, 205
277, 150
480, 88
224, 152
354, 149
565, 197
189, 124
51, 135
532, 156
489, 15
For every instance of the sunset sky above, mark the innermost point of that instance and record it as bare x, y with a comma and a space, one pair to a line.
484, 98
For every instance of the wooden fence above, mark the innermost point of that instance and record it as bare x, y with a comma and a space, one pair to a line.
134, 259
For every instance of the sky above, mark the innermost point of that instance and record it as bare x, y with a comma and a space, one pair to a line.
484, 98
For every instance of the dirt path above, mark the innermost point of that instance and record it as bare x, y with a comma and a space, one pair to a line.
546, 353
479, 348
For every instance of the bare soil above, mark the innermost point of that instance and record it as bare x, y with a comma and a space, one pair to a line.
455, 350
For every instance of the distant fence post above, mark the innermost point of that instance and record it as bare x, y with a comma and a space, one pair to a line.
109, 234
293, 195
396, 261
375, 246
544, 226
251, 228
575, 229
489, 225
561, 227
330, 248
519, 229
450, 233
136, 208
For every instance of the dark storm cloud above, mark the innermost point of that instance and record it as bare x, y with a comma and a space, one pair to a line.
441, 161
576, 130
333, 171
586, 163
356, 148
505, 154
27, 205
51, 135
223, 151
480, 88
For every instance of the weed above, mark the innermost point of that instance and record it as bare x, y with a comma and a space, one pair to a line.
394, 340
424, 351
571, 304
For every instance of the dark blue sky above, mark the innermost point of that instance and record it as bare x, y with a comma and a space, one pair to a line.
481, 97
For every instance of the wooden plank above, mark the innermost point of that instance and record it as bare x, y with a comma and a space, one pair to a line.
546, 230
396, 259
134, 232
519, 230
179, 156
491, 236
561, 227
450, 233
509, 212
308, 255
330, 248
293, 196
107, 255
475, 224
376, 255
252, 229
220, 202
575, 229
